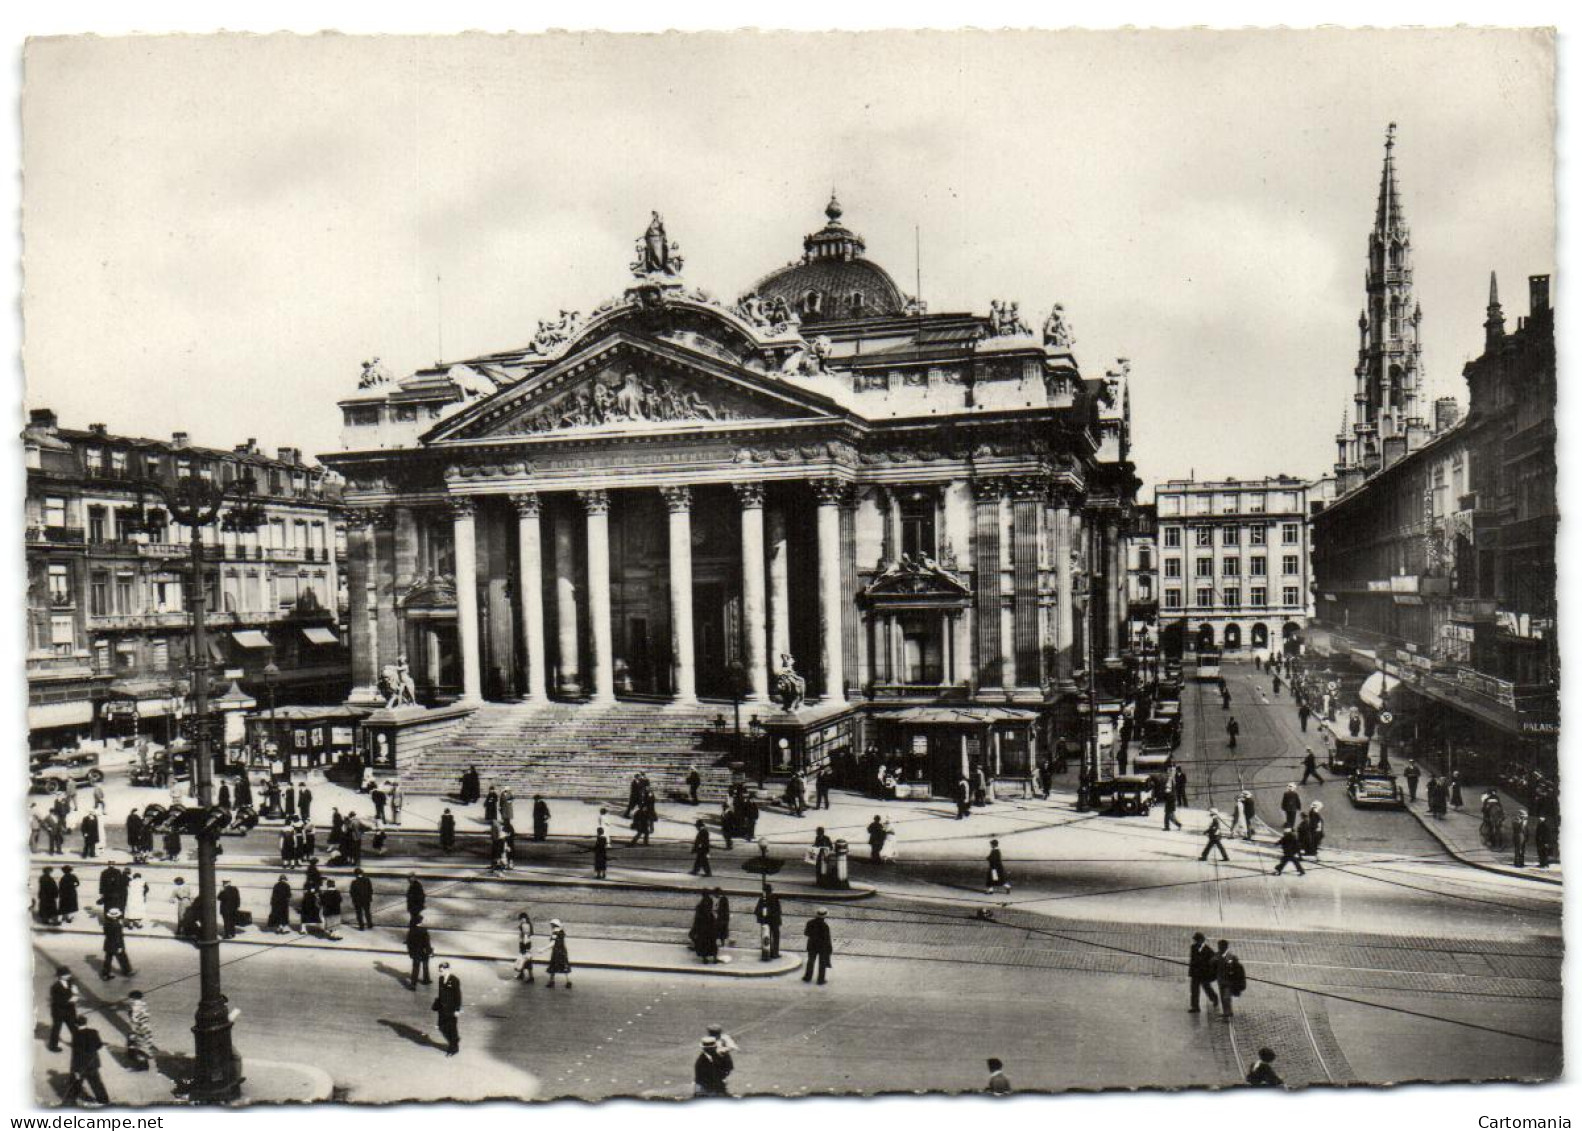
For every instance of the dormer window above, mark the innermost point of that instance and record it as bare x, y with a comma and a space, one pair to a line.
856, 304
812, 302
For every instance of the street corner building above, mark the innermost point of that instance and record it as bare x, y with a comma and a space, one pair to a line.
860, 528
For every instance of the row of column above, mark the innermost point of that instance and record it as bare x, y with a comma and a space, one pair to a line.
762, 633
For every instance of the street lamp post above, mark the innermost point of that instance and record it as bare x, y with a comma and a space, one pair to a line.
271, 674
196, 503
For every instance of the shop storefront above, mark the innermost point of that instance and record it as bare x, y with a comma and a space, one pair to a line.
930, 749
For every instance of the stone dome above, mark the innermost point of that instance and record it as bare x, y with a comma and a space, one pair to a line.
833, 280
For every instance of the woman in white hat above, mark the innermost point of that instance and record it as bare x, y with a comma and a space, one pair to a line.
559, 956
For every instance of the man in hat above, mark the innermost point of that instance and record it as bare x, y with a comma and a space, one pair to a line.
1262, 1073
114, 944
447, 1003
419, 948
708, 1071
768, 914
230, 900
1215, 823
1200, 971
85, 1046
1310, 767
1290, 851
62, 1007
362, 893
820, 947
999, 1084
700, 851
1291, 805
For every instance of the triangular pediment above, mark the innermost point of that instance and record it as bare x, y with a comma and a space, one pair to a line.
917, 582
626, 384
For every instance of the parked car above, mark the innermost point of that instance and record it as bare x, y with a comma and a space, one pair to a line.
1348, 754
1374, 789
79, 766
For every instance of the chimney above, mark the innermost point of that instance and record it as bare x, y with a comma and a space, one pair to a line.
178, 439
248, 448
99, 429
43, 419
1537, 294
290, 455
1446, 413
1394, 449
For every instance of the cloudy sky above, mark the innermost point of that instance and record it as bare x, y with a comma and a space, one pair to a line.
218, 230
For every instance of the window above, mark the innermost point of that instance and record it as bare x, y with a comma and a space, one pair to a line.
1290, 534
1232, 596
1291, 595
1172, 598
159, 655
60, 585
362, 415
917, 524
1205, 535
62, 635
1172, 567
1227, 504
118, 463
405, 413
1172, 537
96, 526
124, 595
1255, 502
94, 459
99, 594
206, 473
1204, 567
54, 512
1256, 535
1201, 504
125, 656
1257, 565
1290, 565
183, 469
1205, 598
101, 657
1145, 560
1231, 536
1169, 504
1230, 567
1260, 596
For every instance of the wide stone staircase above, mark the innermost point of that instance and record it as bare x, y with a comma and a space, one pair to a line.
581, 751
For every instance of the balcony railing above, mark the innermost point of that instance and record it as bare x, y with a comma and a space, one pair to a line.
162, 550
140, 620
948, 691
57, 535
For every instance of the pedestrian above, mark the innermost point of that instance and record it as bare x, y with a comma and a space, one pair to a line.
416, 897
601, 855
722, 918
1224, 696
378, 797
1412, 776
304, 802
1455, 790
524, 948
709, 1071
996, 877
1231, 977
1290, 851
999, 1084
980, 786
1200, 972
230, 901
963, 798
1180, 785
1310, 768
643, 820
1276, 685
114, 945
181, 903
1215, 823
727, 824
1046, 778
821, 788
1262, 1073
1519, 838
244, 792
46, 904
312, 879
1170, 811
69, 898
55, 834
140, 1037
491, 805
469, 786
540, 818
85, 1046
222, 798
62, 1007
1303, 713
362, 893
1291, 804
1543, 839
134, 835
875, 838
559, 954
705, 939
396, 796
311, 911
280, 906
1304, 833
694, 783
768, 914
419, 948
796, 796
447, 1003
330, 905
820, 946
289, 797
1233, 728
1354, 722
90, 835
71, 795
1315, 828
1246, 812
700, 851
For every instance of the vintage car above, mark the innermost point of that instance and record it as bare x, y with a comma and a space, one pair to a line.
79, 766
1153, 761
1131, 795
1348, 754
1374, 789
1163, 728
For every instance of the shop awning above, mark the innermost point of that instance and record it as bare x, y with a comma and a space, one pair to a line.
251, 638
76, 712
1375, 688
318, 635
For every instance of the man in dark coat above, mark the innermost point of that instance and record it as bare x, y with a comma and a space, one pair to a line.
1233, 728
1291, 805
230, 900
85, 1046
821, 788
1543, 839
304, 801
634, 795
69, 899
876, 835
1413, 775
1179, 784
1200, 972
1290, 851
419, 948
1310, 768
700, 852
447, 831
114, 945
703, 935
768, 914
722, 917
377, 796
1262, 1073
447, 1003
90, 834
1170, 811
288, 798
709, 1071
820, 947
134, 835
62, 1007
416, 898
540, 818
362, 893
244, 792
469, 786
113, 884
1303, 713
694, 783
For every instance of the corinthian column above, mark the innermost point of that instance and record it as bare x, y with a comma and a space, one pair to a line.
829, 493
597, 504
530, 571
779, 589
364, 650
678, 500
751, 497
1063, 591
567, 645
466, 539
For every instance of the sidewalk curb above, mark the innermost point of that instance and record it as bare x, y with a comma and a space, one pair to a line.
804, 893
772, 969
1481, 865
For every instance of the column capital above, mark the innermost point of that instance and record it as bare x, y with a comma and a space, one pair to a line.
527, 504
1063, 498
595, 501
363, 518
677, 499
1027, 488
750, 493
988, 489
830, 491
462, 507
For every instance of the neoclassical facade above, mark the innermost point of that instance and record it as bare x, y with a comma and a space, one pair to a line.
675, 500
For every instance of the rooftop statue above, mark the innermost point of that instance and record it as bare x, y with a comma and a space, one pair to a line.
373, 375
1057, 331
656, 254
